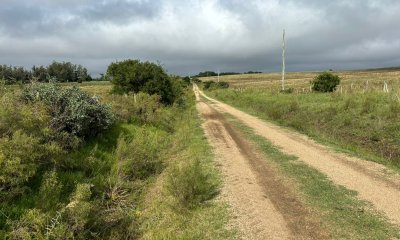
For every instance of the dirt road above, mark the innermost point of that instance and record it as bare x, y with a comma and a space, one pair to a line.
263, 206
369, 179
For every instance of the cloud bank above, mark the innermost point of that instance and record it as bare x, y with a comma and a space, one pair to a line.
196, 35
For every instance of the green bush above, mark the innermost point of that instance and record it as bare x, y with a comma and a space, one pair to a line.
142, 108
196, 80
32, 225
31, 118
191, 184
325, 82
49, 192
222, 85
135, 76
20, 157
72, 111
287, 90
210, 85
139, 157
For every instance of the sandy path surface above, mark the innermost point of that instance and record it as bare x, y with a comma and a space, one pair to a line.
369, 179
263, 206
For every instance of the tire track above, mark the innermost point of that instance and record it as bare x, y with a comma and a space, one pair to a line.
264, 207
365, 177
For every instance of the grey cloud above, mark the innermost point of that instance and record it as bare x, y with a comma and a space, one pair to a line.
194, 35
119, 12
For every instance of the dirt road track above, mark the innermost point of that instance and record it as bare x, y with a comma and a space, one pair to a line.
367, 178
264, 207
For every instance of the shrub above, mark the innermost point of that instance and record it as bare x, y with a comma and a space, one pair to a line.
196, 80
49, 192
18, 163
210, 85
369, 104
32, 225
139, 158
79, 208
135, 76
287, 90
15, 114
142, 108
325, 82
73, 111
394, 108
20, 157
223, 84
191, 184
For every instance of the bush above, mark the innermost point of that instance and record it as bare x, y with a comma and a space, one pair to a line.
15, 114
287, 90
208, 84
145, 110
73, 111
135, 76
211, 85
191, 184
49, 192
139, 158
196, 80
32, 225
222, 85
325, 82
20, 157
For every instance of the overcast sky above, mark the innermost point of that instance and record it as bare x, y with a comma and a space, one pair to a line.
188, 36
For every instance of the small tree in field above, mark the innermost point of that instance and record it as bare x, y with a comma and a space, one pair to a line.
325, 82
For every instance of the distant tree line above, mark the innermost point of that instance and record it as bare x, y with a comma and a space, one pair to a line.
56, 71
213, 74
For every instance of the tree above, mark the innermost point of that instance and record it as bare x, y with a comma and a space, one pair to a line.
40, 73
135, 76
325, 82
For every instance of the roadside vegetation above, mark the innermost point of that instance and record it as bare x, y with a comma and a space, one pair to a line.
85, 163
363, 123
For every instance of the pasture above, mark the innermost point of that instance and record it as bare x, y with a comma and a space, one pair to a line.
352, 81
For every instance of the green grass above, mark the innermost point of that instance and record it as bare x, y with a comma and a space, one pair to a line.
367, 125
166, 216
345, 215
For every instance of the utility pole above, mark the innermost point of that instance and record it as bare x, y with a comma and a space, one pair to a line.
283, 61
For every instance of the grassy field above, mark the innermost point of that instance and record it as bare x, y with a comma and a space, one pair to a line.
116, 185
352, 81
366, 123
